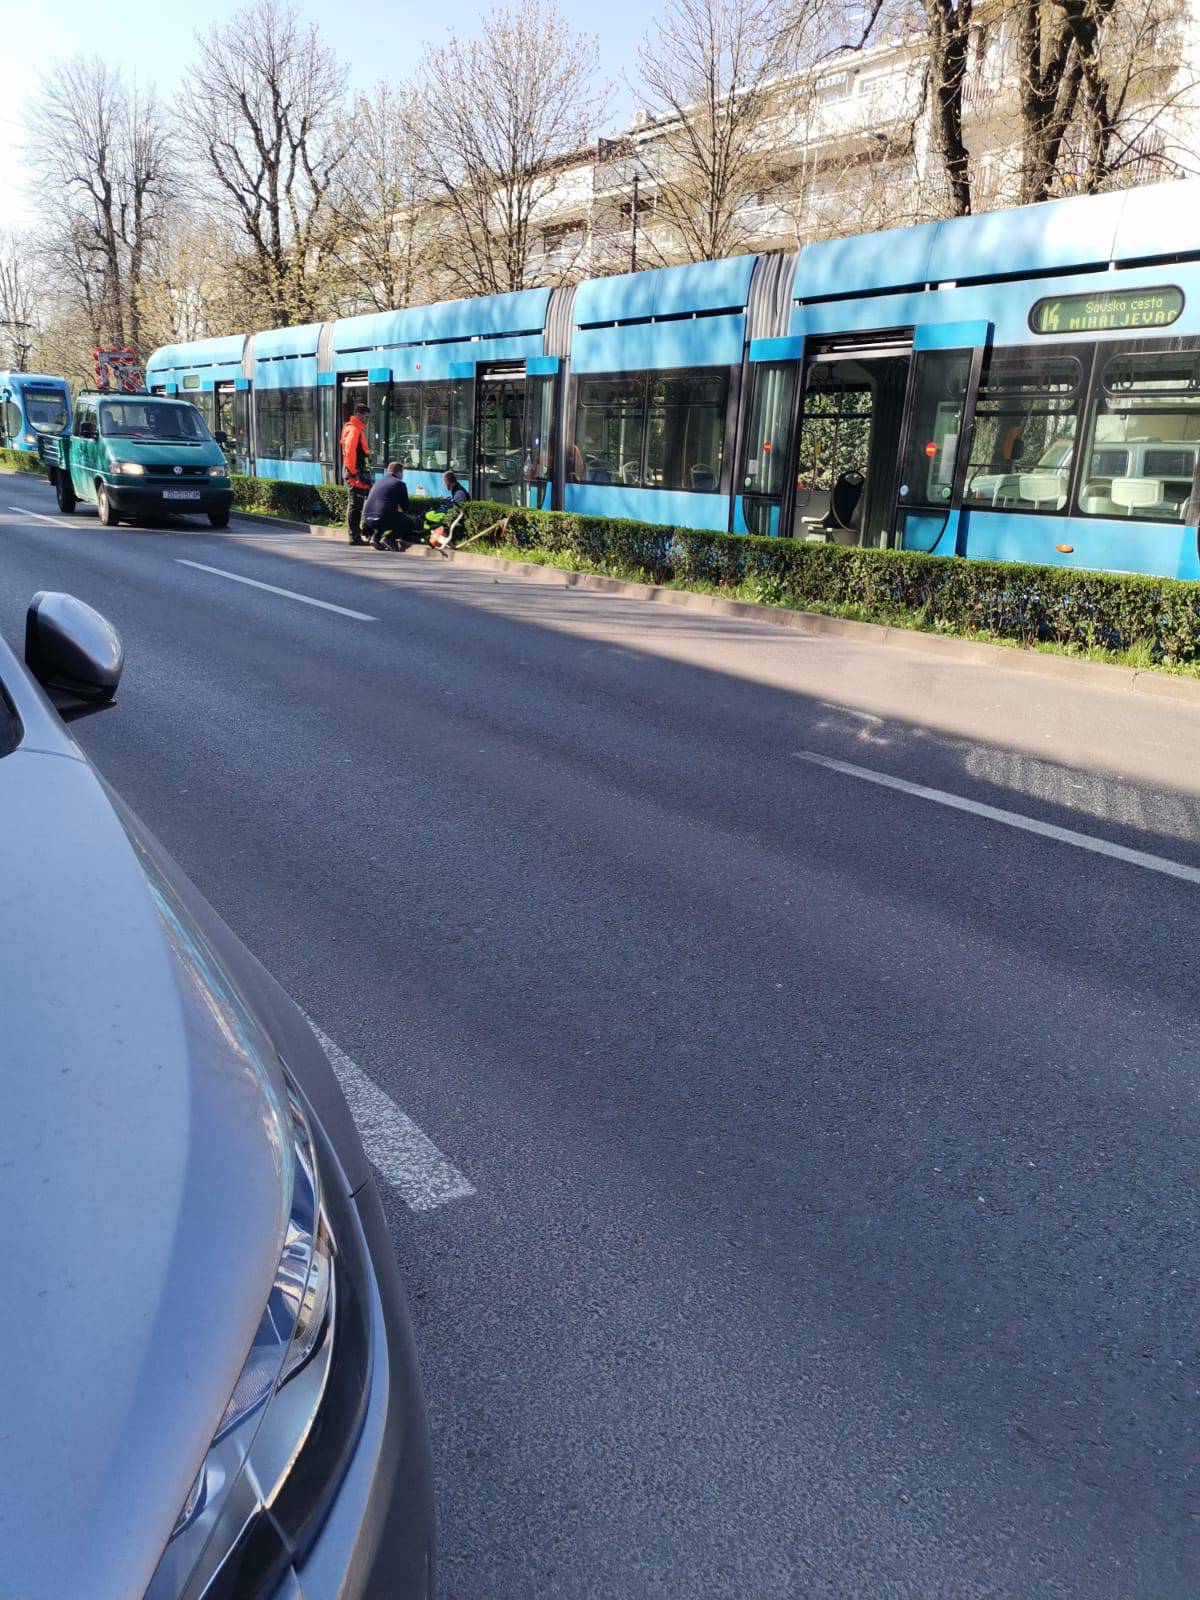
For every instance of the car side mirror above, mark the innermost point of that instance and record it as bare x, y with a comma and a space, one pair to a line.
71, 649
222, 438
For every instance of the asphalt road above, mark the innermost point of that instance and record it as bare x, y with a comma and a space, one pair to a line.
834, 1228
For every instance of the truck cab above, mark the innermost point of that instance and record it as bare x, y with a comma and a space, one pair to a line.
137, 456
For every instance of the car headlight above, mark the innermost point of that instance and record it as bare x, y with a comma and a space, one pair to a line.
218, 472
283, 1380
131, 469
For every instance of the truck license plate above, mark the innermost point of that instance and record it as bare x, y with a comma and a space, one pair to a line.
181, 494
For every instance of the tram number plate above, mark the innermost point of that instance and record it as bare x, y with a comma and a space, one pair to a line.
181, 494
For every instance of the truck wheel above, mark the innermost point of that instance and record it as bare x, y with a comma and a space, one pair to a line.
218, 519
104, 505
63, 491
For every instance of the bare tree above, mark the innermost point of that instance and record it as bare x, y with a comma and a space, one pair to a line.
1135, 88
502, 111
709, 74
265, 112
383, 207
19, 297
102, 157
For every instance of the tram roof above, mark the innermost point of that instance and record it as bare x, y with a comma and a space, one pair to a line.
1054, 236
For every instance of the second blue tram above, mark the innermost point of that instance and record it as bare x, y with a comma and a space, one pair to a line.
1022, 385
32, 403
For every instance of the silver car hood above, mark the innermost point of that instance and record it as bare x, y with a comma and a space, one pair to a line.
144, 1175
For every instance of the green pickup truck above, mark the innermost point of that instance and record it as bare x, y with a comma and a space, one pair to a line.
136, 456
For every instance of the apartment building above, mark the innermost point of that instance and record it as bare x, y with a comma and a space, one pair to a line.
850, 147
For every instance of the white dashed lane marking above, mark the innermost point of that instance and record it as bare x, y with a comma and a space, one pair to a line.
271, 588
1011, 819
42, 516
407, 1158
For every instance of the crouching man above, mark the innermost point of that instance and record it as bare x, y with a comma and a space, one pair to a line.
385, 515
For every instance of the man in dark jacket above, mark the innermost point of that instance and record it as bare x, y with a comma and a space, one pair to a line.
386, 512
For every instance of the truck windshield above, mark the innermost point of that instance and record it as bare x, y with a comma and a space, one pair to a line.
152, 420
46, 409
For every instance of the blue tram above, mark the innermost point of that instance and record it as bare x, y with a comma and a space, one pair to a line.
1022, 385
32, 403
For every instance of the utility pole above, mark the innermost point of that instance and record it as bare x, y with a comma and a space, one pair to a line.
634, 219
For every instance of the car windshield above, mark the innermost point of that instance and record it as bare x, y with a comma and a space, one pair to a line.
152, 421
46, 409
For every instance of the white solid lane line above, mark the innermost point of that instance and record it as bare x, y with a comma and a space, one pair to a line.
1011, 819
288, 594
402, 1154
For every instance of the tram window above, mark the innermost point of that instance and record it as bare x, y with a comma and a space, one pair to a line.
770, 422
1143, 436
1023, 442
927, 475
402, 424
46, 410
286, 424
610, 426
435, 426
539, 428
685, 430
462, 423
12, 419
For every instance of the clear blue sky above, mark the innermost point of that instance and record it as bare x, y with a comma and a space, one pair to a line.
153, 38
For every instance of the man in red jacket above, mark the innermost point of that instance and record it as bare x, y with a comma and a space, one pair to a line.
356, 469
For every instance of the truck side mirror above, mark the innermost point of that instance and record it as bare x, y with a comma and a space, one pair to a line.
71, 649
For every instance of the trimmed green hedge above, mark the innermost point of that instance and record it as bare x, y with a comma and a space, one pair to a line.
21, 461
1026, 603
300, 502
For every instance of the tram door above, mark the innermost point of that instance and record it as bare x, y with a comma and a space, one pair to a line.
351, 391
823, 442
936, 447
500, 435
848, 443
224, 413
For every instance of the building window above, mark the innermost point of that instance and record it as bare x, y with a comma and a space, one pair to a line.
1143, 436
286, 422
654, 430
1023, 443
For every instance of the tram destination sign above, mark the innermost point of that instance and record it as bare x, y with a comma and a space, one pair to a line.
1112, 310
